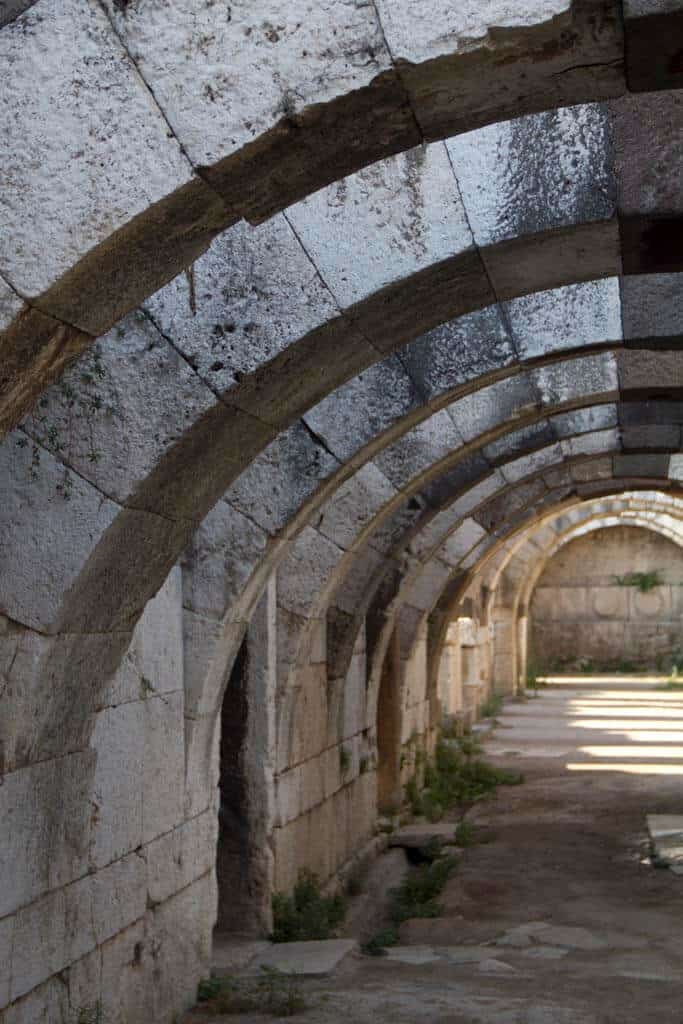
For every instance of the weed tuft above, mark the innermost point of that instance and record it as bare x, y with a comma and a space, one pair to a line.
379, 943
457, 777
416, 896
306, 914
491, 707
274, 993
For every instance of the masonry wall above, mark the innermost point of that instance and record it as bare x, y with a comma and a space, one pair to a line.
326, 783
581, 617
116, 905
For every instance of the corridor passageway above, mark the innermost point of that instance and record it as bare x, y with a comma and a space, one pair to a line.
557, 915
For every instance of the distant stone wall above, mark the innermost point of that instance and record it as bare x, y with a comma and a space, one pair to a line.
579, 611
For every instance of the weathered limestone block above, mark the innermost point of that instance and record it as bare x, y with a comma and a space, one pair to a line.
483, 410
117, 797
528, 175
584, 421
45, 1004
36, 519
6, 938
119, 896
224, 552
566, 318
597, 443
415, 452
362, 408
180, 857
178, 936
533, 463
309, 726
460, 542
288, 795
650, 306
121, 408
354, 505
456, 352
228, 72
39, 853
163, 775
246, 299
127, 974
202, 739
407, 206
566, 382
306, 570
282, 477
86, 180
428, 583
312, 787
354, 696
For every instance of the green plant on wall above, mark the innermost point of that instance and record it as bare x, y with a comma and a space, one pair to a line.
644, 582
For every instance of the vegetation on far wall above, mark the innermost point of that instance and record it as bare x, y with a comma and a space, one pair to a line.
306, 913
642, 581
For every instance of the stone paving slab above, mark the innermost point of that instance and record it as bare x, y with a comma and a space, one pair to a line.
231, 955
430, 954
303, 958
421, 834
666, 837
663, 825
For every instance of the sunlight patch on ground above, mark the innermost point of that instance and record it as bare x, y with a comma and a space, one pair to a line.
630, 769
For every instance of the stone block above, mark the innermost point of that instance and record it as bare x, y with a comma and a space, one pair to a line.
308, 567
288, 795
416, 451
366, 405
354, 696
570, 182
86, 182
215, 114
577, 379
458, 351
117, 796
310, 959
220, 559
128, 982
354, 505
242, 304
177, 859
164, 763
44, 1005
179, 933
407, 205
39, 943
282, 477
38, 521
312, 784
540, 322
119, 894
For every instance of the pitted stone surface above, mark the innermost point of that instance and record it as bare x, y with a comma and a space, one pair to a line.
408, 205
66, 48
559, 162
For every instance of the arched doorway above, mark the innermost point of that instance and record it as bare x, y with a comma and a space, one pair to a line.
244, 861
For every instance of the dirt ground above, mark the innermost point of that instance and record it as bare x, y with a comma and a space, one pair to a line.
566, 861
